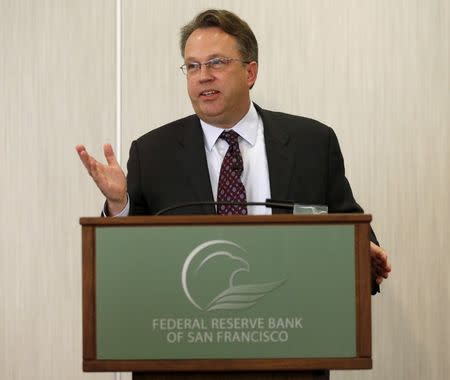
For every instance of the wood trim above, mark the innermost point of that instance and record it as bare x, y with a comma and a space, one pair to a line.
226, 365
88, 283
220, 219
363, 292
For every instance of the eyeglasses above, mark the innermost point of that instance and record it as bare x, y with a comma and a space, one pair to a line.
215, 64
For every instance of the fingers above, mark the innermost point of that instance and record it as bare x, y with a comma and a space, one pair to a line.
379, 279
109, 154
90, 163
379, 256
377, 252
380, 263
95, 167
110, 178
79, 148
380, 272
84, 157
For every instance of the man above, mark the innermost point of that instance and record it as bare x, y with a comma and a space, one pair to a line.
231, 149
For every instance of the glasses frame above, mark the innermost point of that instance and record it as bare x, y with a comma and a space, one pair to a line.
209, 64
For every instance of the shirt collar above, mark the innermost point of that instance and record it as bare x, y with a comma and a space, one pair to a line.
247, 128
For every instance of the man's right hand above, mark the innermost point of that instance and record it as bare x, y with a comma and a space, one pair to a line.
110, 178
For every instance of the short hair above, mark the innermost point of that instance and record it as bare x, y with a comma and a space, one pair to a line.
229, 23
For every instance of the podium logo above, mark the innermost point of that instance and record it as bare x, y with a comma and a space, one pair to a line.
209, 278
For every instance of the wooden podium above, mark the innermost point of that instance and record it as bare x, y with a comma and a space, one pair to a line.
144, 307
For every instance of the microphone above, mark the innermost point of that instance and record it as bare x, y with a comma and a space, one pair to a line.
289, 205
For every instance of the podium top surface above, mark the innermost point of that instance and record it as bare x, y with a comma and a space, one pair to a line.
220, 219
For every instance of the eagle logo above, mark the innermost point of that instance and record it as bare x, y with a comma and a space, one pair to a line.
215, 264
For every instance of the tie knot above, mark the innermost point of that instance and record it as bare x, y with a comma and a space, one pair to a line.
231, 137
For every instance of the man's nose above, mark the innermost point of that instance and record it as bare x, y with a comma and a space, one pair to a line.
205, 73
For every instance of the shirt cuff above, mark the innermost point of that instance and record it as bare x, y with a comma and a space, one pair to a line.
124, 212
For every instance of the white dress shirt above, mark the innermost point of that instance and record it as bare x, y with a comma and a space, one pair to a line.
255, 175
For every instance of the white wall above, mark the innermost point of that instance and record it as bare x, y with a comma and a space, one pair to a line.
376, 71
56, 90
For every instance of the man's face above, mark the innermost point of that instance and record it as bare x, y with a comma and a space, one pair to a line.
219, 97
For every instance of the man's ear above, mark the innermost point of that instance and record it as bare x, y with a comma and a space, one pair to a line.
252, 73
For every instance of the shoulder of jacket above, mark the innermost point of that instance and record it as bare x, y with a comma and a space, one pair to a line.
170, 129
293, 124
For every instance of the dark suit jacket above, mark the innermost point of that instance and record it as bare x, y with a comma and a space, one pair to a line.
168, 166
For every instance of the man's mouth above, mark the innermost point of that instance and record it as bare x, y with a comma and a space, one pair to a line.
208, 93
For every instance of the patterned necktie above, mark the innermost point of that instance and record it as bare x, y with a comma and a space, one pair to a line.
231, 188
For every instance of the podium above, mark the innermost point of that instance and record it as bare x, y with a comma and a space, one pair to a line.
226, 297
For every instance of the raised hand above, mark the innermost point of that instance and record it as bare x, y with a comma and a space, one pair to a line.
109, 178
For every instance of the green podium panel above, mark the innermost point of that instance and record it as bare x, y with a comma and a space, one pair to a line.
216, 292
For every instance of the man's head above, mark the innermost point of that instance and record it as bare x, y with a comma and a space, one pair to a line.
219, 89
230, 24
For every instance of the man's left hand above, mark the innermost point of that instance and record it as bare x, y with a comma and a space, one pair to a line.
379, 263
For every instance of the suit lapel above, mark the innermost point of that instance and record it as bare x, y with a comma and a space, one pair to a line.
193, 159
280, 156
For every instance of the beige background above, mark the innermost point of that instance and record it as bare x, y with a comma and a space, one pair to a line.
376, 71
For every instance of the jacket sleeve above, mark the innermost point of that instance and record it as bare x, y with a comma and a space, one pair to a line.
339, 193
